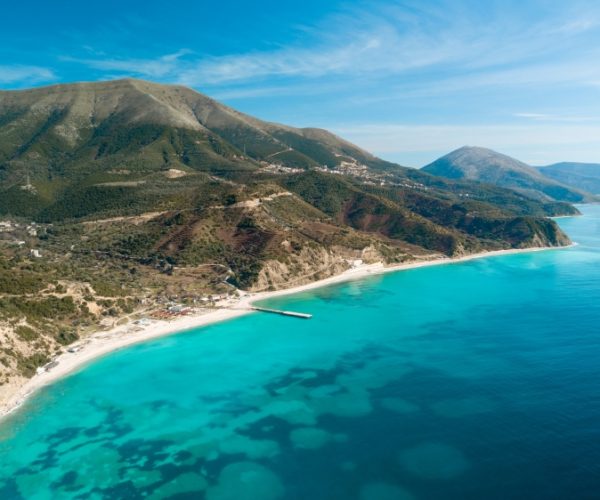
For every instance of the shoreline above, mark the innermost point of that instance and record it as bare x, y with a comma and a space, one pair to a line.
104, 342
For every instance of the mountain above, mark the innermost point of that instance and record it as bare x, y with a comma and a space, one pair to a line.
584, 176
485, 165
118, 198
82, 129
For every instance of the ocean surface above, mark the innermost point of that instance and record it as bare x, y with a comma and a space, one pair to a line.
478, 380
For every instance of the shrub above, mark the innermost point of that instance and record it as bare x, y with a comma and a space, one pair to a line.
26, 333
66, 337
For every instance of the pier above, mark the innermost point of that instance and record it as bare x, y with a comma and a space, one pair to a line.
282, 313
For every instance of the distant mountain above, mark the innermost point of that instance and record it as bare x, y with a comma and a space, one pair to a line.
485, 165
585, 176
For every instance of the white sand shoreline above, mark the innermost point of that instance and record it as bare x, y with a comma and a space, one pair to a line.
104, 342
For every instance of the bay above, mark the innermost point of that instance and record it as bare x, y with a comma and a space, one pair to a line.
471, 380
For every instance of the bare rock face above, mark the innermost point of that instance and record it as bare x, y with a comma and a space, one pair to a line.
310, 265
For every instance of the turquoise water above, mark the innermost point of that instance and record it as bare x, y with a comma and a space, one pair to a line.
476, 380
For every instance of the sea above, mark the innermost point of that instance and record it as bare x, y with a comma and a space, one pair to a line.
475, 380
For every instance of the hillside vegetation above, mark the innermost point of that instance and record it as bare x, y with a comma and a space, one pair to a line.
119, 198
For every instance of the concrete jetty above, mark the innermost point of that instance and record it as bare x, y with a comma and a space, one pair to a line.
282, 313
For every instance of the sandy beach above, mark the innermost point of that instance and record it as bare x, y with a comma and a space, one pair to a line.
104, 342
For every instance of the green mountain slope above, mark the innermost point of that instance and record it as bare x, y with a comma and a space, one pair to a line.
485, 165
83, 129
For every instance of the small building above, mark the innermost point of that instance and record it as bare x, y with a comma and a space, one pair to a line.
34, 252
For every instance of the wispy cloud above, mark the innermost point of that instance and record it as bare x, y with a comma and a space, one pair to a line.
25, 75
425, 44
548, 117
441, 44
394, 138
282, 63
161, 67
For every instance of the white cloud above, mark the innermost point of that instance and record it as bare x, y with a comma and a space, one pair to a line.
548, 117
163, 66
287, 62
25, 74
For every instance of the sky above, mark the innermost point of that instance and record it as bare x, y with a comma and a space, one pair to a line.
407, 80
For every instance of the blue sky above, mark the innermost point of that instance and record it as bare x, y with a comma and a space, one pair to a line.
408, 80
